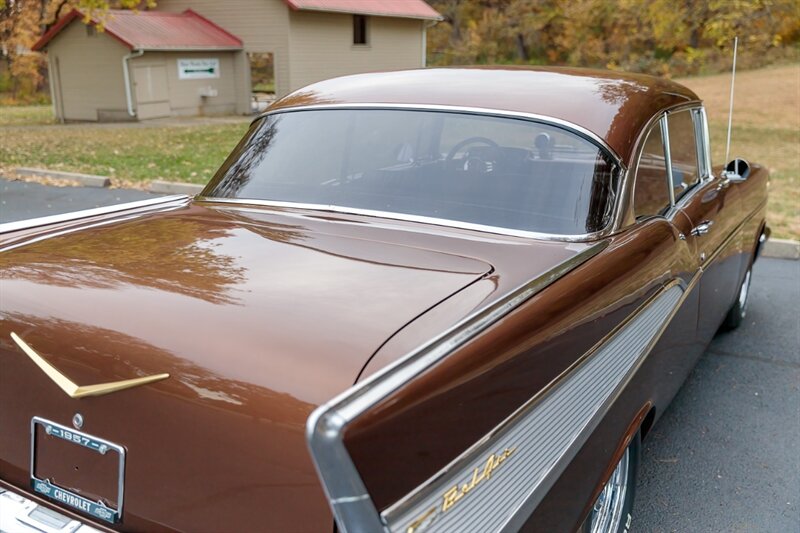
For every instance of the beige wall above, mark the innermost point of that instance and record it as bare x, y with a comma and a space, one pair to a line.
182, 96
308, 46
263, 26
88, 73
321, 46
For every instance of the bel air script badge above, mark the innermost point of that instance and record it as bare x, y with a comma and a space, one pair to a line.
480, 475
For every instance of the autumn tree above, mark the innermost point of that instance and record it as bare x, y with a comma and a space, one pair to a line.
22, 22
665, 37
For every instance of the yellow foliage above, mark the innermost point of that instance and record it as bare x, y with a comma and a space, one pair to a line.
665, 37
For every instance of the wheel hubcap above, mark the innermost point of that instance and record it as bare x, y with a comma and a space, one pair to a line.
607, 511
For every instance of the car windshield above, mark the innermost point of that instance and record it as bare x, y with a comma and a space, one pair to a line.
502, 172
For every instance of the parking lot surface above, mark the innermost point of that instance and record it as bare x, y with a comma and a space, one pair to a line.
725, 456
20, 200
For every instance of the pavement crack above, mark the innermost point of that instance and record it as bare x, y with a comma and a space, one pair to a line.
777, 362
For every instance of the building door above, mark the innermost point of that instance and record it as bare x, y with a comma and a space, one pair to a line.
152, 91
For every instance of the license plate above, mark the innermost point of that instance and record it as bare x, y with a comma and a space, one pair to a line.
95, 448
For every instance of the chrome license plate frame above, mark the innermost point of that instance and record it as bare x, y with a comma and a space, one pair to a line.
66, 497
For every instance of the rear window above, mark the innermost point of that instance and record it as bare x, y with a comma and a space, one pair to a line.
492, 171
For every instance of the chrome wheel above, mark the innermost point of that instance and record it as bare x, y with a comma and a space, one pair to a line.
743, 292
608, 512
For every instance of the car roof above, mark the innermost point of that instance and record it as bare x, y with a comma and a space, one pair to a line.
613, 106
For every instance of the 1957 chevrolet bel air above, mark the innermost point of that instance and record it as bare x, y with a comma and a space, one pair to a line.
434, 300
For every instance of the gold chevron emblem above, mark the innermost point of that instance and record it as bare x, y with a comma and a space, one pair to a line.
74, 390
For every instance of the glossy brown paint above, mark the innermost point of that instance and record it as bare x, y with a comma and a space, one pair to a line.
261, 314
221, 442
476, 388
435, 418
614, 106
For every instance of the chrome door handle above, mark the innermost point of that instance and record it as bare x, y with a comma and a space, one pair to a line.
702, 228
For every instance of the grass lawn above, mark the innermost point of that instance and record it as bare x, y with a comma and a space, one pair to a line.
126, 153
25, 115
766, 130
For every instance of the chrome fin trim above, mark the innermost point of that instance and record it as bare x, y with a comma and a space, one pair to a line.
353, 509
544, 434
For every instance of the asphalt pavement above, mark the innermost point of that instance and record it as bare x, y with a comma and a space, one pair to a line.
725, 456
20, 200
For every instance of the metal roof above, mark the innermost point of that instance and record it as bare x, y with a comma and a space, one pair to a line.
155, 30
417, 9
613, 106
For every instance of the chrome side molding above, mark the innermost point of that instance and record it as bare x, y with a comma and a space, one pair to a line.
163, 201
544, 434
351, 504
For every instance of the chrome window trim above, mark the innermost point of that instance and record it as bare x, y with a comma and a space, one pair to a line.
347, 494
667, 157
702, 145
690, 193
9, 227
408, 218
615, 219
482, 111
694, 107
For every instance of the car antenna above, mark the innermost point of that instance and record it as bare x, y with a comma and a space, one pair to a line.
730, 109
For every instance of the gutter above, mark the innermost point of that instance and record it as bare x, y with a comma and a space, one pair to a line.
126, 74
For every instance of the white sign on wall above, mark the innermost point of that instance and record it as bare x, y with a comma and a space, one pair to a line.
198, 69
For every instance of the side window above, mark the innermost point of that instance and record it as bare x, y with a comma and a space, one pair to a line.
683, 150
650, 193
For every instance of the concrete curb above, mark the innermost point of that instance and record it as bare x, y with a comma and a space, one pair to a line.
781, 249
175, 187
87, 180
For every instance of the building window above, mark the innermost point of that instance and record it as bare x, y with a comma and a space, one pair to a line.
91, 31
360, 29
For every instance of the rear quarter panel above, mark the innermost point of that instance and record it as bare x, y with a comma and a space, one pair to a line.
410, 436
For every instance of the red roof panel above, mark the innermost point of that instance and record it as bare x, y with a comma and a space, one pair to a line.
156, 30
386, 8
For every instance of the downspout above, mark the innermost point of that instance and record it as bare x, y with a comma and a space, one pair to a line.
425, 25
127, 75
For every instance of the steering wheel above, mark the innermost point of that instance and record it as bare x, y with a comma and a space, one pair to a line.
471, 140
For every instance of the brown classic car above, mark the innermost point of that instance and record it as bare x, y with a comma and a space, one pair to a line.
434, 300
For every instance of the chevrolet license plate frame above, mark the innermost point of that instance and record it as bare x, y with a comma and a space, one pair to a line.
67, 497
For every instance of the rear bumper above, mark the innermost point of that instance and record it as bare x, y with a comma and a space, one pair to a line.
20, 514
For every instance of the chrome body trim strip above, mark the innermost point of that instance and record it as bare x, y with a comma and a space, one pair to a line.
540, 459
406, 218
9, 227
352, 507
